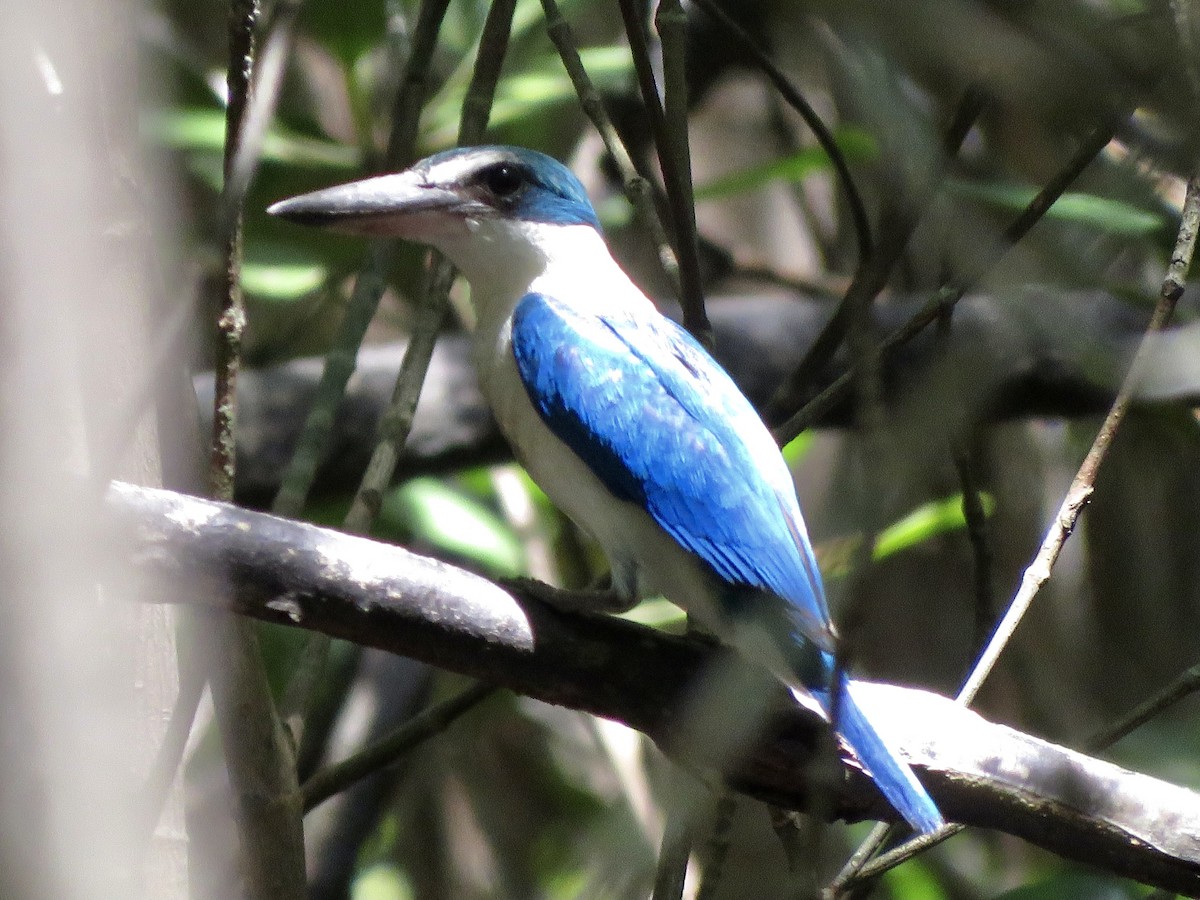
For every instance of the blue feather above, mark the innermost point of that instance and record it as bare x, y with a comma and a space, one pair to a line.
631, 394
662, 426
553, 195
893, 777
658, 422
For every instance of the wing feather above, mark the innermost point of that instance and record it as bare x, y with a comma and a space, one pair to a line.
663, 426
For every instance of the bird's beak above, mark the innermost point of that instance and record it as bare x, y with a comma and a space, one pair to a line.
401, 205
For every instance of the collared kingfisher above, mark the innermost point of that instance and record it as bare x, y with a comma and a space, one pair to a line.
624, 420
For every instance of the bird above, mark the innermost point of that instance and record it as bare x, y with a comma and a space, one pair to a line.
623, 418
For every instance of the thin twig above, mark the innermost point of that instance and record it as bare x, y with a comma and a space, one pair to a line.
368, 288
679, 832
673, 856
334, 779
1083, 484
1186, 684
874, 478
975, 517
671, 143
260, 760
231, 318
895, 857
258, 756
675, 159
858, 860
825, 289
242, 158
858, 210
269, 69
948, 296
1076, 498
873, 273
396, 422
643, 66
192, 679
716, 848
634, 185
981, 551
1187, 27
340, 670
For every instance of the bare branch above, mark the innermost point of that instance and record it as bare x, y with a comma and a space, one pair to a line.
980, 773
948, 297
637, 189
259, 758
1041, 353
1083, 484
395, 425
368, 287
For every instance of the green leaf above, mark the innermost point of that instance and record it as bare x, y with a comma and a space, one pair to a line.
925, 522
280, 272
658, 612
382, 881
614, 211
568, 884
202, 130
522, 93
347, 28
1074, 886
856, 145
797, 448
283, 281
914, 880
1112, 216
451, 521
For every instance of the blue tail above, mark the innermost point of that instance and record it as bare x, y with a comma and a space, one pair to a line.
892, 775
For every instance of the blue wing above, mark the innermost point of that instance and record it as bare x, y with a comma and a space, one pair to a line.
663, 426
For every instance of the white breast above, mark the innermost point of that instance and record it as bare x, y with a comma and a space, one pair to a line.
504, 260
645, 560
558, 471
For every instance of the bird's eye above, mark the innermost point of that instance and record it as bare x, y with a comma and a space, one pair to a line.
502, 179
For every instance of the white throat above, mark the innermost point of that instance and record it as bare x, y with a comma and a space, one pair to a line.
504, 260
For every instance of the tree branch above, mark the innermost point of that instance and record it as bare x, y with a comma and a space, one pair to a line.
1037, 352
383, 596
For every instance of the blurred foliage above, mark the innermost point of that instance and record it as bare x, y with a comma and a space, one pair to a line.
520, 800
1108, 216
924, 523
857, 147
453, 523
1072, 886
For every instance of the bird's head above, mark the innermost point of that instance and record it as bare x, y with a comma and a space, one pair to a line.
481, 206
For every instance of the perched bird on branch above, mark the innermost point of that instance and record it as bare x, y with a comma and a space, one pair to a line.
623, 418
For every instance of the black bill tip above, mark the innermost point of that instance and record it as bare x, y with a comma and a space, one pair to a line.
397, 205
302, 211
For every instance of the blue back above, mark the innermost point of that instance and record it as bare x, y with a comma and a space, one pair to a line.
663, 426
